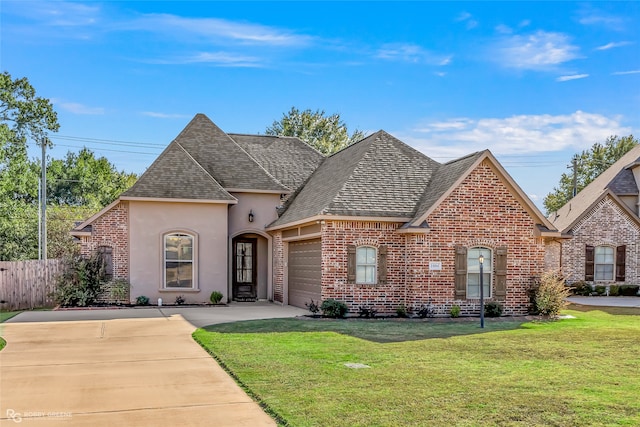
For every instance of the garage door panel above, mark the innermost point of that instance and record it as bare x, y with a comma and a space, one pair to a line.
304, 272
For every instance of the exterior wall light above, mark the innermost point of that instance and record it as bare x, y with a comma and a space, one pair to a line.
251, 216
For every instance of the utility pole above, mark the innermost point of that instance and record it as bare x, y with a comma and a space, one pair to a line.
574, 164
43, 200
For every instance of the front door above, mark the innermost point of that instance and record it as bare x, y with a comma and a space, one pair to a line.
244, 269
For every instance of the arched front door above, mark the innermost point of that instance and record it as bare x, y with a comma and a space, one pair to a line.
245, 283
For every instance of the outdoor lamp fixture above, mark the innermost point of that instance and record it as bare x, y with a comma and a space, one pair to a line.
251, 216
481, 261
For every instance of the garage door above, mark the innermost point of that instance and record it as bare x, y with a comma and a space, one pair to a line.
304, 272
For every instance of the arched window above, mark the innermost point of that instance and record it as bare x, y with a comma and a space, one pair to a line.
366, 266
179, 261
604, 262
473, 272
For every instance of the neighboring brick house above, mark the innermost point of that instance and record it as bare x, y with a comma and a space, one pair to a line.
600, 228
377, 224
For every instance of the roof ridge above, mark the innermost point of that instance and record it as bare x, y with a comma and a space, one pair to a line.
258, 163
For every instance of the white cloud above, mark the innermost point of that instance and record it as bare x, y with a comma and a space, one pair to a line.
58, 13
216, 29
624, 73
591, 16
521, 134
613, 45
412, 53
468, 18
164, 115
77, 108
503, 29
538, 51
571, 77
221, 59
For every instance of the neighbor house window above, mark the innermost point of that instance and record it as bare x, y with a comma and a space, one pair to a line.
179, 260
604, 263
366, 264
473, 272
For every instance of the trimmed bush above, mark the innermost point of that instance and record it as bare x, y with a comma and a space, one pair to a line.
614, 290
215, 297
334, 308
552, 294
368, 312
455, 311
493, 309
119, 290
401, 310
142, 300
629, 290
426, 311
601, 290
582, 288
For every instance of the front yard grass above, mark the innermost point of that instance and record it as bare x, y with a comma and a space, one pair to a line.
6, 315
578, 372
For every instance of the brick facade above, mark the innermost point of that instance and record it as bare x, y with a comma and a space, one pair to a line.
481, 211
605, 225
111, 229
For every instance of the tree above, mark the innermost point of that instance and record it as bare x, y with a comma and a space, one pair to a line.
326, 134
23, 116
590, 164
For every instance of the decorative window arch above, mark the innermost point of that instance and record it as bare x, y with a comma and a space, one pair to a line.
179, 260
367, 264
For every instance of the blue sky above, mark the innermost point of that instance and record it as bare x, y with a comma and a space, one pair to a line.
534, 82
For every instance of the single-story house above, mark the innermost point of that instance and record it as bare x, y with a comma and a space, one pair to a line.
377, 224
600, 228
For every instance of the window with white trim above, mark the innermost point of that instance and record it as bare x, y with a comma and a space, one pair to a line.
473, 272
604, 261
179, 261
366, 258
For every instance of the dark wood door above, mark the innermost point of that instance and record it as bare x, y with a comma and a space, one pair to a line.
244, 269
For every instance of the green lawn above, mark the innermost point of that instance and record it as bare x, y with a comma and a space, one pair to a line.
572, 372
6, 315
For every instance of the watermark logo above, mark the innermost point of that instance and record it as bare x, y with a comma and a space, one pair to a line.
17, 417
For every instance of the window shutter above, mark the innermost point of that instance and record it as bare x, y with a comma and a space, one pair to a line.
461, 272
382, 264
621, 255
588, 263
351, 263
106, 255
501, 273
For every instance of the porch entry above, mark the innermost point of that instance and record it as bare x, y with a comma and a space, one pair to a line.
245, 272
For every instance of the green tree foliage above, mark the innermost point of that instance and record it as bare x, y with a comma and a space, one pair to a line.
326, 134
591, 163
81, 179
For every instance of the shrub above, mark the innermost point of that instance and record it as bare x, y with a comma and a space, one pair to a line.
334, 308
455, 311
142, 300
313, 307
401, 310
426, 311
119, 290
215, 297
552, 293
81, 282
582, 288
601, 290
614, 290
180, 300
493, 309
629, 290
367, 312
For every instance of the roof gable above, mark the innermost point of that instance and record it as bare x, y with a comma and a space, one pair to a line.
229, 164
176, 175
614, 179
379, 176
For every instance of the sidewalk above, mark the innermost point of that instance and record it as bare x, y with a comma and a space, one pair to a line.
606, 301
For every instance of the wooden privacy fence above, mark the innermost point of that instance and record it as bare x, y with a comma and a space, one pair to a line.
28, 284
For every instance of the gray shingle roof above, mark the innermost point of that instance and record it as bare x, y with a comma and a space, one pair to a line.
288, 159
378, 176
614, 179
223, 159
175, 175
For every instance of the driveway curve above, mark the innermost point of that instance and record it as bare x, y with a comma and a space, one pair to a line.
121, 367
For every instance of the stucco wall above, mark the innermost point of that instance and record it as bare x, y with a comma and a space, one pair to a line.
606, 224
149, 221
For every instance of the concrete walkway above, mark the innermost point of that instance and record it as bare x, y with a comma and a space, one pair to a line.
606, 301
129, 367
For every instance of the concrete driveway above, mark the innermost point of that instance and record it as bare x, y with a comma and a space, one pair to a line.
130, 367
606, 301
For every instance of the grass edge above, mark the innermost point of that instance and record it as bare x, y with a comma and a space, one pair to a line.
279, 419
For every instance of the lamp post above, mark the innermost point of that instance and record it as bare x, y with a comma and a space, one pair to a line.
481, 261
